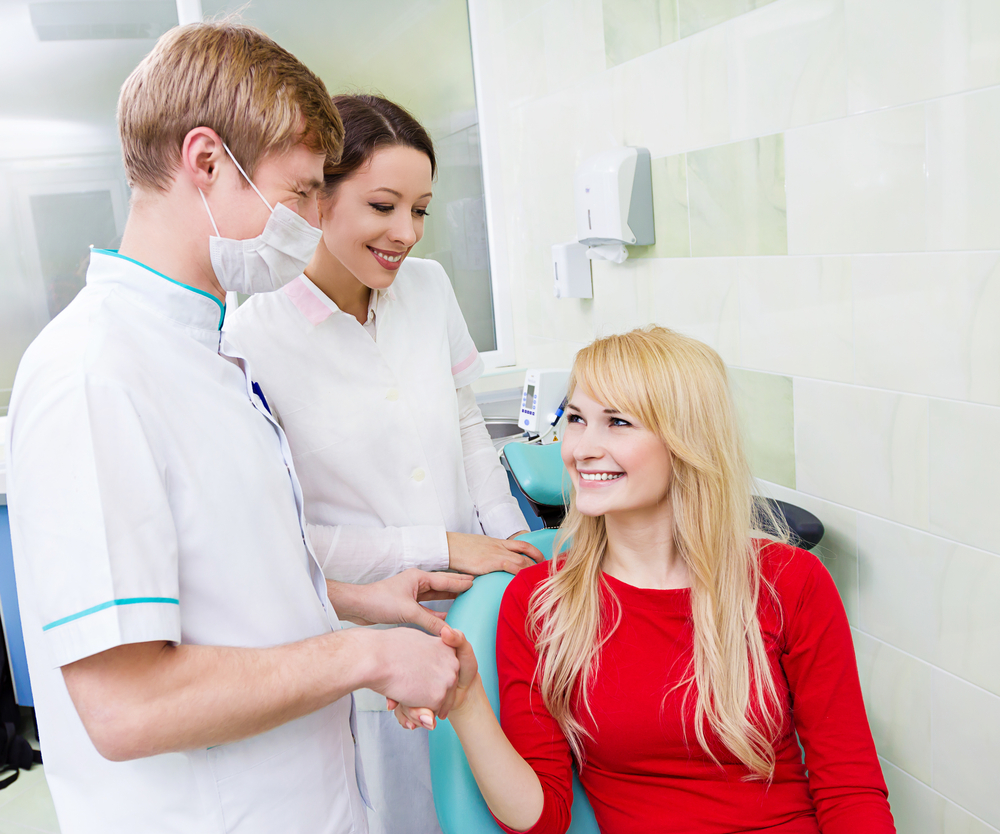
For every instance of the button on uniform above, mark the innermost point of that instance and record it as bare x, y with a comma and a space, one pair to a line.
392, 395
418, 475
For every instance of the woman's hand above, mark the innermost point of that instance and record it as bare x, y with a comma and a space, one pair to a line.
475, 554
469, 684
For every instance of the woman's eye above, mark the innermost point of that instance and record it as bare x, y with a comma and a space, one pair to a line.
618, 421
421, 212
381, 208
574, 418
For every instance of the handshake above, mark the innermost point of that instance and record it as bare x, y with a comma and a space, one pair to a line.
422, 676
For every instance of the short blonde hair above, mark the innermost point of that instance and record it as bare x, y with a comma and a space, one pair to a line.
231, 78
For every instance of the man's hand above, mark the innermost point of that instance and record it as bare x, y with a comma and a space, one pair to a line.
396, 600
468, 680
476, 554
412, 667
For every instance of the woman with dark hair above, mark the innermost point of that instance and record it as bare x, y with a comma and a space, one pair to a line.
367, 361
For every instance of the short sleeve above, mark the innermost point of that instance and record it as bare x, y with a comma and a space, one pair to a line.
466, 363
91, 522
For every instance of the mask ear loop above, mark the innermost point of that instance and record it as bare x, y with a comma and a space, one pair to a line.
209, 213
254, 187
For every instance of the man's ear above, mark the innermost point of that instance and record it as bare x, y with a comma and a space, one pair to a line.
201, 153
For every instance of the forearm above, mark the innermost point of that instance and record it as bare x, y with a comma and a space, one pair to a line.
489, 487
509, 785
354, 554
144, 699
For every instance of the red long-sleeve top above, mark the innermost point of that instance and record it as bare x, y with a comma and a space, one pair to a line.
646, 772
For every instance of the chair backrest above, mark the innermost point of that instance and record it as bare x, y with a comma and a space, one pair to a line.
460, 806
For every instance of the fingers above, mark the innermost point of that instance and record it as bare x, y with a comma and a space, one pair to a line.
533, 553
514, 561
529, 551
432, 621
468, 665
444, 585
412, 717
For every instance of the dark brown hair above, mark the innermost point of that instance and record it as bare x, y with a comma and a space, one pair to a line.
372, 122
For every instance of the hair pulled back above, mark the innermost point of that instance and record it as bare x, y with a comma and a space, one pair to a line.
370, 123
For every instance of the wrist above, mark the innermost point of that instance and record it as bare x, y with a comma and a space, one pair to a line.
365, 656
473, 705
347, 600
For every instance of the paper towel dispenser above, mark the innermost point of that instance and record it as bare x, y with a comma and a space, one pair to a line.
613, 195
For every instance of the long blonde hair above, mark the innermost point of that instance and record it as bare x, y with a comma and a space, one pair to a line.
677, 388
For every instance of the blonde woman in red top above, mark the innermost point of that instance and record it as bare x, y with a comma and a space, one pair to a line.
670, 654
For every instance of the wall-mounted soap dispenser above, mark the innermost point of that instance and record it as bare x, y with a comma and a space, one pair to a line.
613, 195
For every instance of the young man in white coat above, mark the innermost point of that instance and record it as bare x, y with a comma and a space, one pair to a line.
188, 667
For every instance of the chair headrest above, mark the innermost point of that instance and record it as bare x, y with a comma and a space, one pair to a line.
539, 471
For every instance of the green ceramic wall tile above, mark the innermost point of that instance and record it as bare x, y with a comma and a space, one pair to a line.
670, 211
736, 195
635, 27
764, 402
697, 15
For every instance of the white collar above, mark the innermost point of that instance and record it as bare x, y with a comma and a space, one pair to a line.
192, 308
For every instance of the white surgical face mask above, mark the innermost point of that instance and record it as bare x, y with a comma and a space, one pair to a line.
270, 260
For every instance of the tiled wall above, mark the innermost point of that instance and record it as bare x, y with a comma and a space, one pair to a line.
826, 182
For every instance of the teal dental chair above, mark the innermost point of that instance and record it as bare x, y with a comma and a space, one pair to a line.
460, 806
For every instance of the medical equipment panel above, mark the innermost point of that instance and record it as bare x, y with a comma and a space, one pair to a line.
544, 390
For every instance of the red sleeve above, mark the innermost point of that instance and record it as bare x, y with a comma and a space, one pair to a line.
845, 777
532, 731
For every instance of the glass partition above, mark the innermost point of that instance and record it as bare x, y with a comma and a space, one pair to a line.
62, 187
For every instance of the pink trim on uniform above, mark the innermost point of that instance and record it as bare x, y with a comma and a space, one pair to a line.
465, 363
306, 301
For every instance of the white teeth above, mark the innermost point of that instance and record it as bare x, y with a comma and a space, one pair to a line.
600, 476
391, 258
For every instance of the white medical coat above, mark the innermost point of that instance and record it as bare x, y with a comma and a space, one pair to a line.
392, 453
374, 424
152, 498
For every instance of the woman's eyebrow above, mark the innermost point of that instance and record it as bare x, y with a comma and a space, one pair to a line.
395, 193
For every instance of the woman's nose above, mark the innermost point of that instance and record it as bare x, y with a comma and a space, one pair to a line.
588, 446
403, 232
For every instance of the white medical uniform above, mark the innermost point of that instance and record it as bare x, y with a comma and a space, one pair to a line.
390, 458
152, 498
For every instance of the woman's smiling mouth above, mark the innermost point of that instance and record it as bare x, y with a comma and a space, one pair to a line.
387, 259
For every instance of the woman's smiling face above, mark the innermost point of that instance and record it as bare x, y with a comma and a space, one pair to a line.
376, 215
616, 464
